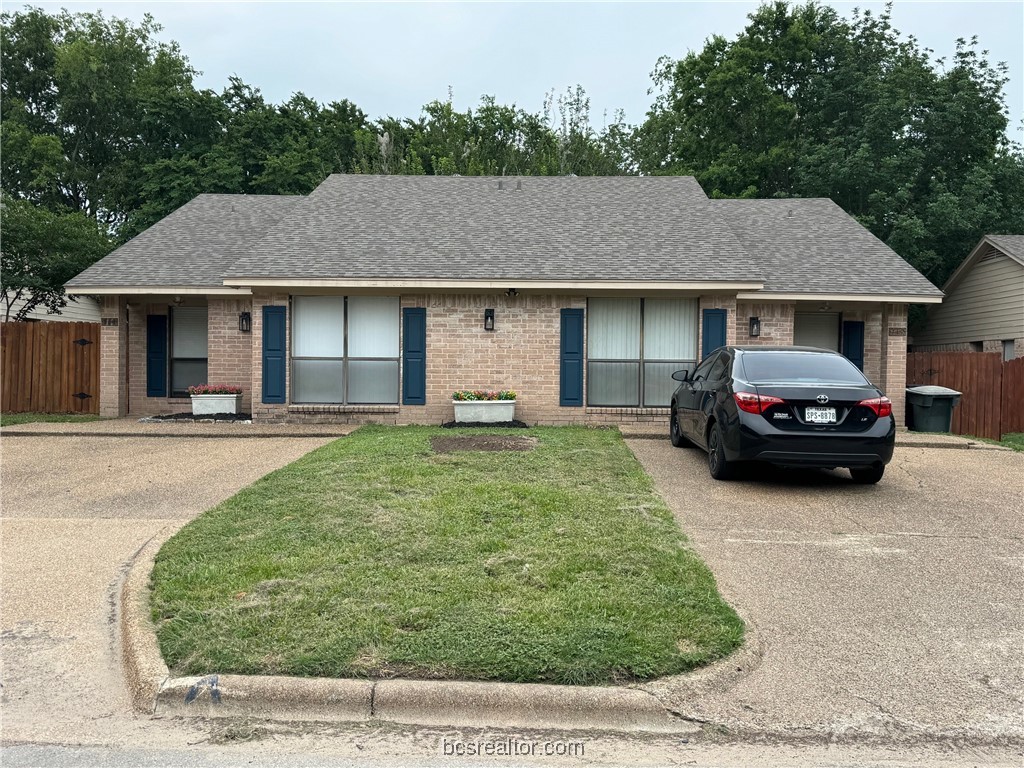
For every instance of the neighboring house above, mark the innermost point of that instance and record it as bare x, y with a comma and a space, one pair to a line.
984, 306
366, 300
79, 309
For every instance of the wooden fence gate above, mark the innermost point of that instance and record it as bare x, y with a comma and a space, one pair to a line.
50, 367
993, 391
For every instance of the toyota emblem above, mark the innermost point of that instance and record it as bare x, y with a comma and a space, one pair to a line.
822, 399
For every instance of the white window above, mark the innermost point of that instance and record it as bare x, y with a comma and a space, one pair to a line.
634, 346
188, 349
345, 350
1008, 350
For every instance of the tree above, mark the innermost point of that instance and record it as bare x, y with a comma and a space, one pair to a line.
41, 250
807, 104
87, 103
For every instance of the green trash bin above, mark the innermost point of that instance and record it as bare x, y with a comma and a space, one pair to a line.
931, 408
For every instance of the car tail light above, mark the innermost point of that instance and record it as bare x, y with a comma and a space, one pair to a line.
881, 406
751, 403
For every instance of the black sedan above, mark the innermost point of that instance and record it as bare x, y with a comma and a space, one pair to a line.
790, 406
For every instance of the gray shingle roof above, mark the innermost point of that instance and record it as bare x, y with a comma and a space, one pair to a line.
1011, 245
194, 246
553, 228
814, 246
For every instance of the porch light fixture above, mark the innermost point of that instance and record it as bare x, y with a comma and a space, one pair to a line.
488, 319
755, 327
245, 322
512, 293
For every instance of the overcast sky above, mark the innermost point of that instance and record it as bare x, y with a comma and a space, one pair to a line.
392, 58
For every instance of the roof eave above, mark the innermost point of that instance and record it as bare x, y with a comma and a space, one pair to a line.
872, 298
129, 290
496, 284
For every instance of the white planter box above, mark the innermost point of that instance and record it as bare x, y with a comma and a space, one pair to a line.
485, 411
208, 404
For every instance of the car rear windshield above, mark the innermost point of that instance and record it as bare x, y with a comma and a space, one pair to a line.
812, 367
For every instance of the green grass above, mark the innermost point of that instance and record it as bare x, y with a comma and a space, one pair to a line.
1014, 440
375, 557
10, 419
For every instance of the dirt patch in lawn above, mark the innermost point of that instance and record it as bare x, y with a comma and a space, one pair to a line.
482, 443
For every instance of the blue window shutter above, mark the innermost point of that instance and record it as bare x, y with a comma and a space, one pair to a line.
853, 342
570, 391
414, 356
714, 331
275, 360
156, 356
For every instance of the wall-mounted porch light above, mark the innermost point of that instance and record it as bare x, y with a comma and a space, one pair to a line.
511, 293
488, 319
755, 327
245, 322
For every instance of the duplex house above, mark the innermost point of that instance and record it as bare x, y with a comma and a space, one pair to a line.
374, 297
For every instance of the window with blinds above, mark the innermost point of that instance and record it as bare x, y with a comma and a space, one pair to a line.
345, 350
634, 346
188, 348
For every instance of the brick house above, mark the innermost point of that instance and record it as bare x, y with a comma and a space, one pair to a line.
367, 300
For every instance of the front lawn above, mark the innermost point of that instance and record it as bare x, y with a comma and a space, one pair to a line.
10, 419
376, 556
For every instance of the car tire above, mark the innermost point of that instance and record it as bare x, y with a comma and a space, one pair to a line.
867, 475
720, 468
675, 434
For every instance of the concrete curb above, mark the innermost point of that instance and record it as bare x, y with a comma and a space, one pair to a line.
650, 708
144, 668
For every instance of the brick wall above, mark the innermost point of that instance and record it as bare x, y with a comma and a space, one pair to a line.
113, 357
776, 323
521, 353
230, 350
894, 357
229, 353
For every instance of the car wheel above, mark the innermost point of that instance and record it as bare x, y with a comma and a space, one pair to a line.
867, 475
675, 434
720, 468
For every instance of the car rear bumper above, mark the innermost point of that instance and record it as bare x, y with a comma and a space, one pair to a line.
762, 442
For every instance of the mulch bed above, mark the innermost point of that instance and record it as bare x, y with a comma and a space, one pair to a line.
482, 443
205, 418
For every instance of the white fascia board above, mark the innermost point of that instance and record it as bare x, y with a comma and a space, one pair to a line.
849, 297
154, 290
504, 284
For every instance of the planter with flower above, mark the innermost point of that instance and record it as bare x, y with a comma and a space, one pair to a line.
208, 399
483, 406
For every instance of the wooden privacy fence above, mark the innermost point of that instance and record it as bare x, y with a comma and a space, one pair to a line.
50, 367
993, 391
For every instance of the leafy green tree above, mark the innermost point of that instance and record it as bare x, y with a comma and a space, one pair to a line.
87, 102
41, 250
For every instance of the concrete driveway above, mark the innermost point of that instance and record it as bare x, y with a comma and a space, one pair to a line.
892, 610
75, 509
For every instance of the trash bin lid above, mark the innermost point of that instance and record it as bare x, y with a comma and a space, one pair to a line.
931, 390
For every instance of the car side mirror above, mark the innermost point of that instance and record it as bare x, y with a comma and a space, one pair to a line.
682, 375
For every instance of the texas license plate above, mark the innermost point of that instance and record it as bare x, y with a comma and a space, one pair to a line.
820, 415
